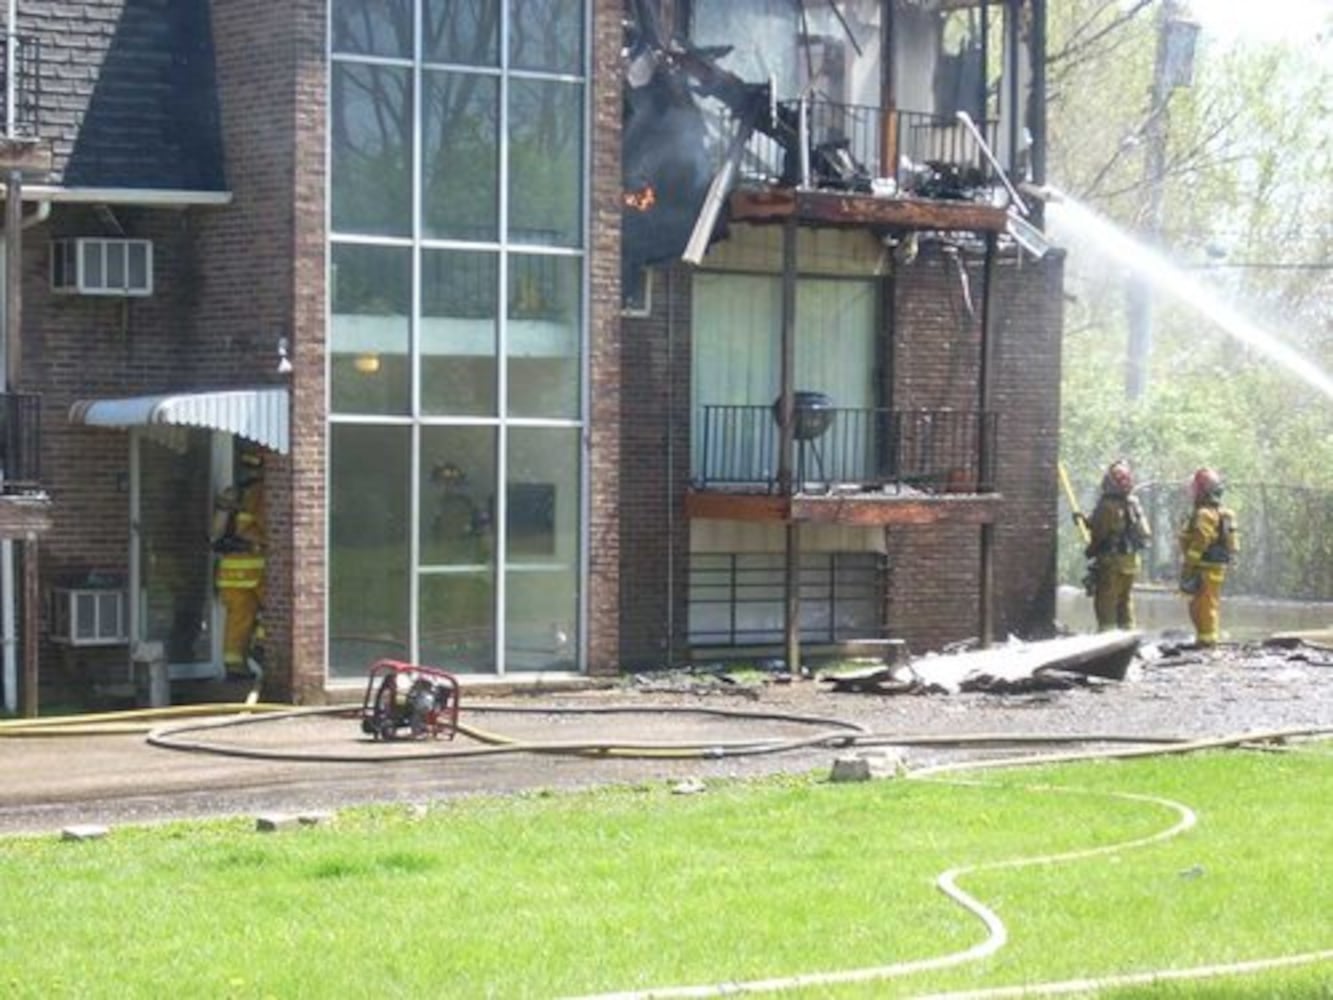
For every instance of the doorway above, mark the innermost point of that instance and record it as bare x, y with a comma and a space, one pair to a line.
175, 473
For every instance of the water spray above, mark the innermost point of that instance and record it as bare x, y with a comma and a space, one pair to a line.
1163, 274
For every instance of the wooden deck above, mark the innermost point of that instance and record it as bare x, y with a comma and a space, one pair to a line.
842, 208
858, 509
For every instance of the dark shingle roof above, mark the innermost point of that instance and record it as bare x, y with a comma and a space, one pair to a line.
128, 96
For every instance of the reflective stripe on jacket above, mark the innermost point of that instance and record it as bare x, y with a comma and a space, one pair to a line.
240, 571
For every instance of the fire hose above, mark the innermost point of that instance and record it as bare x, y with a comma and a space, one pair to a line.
1080, 520
834, 733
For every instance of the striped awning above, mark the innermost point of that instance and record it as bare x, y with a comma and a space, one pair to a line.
259, 415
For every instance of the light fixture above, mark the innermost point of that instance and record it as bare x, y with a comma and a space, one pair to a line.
367, 363
284, 362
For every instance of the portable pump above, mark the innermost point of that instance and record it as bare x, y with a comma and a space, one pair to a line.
409, 701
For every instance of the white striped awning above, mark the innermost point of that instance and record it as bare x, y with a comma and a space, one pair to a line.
259, 415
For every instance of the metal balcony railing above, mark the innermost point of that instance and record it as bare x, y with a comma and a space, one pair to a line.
866, 450
21, 95
858, 147
736, 598
20, 442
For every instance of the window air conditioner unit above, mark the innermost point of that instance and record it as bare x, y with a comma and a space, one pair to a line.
101, 266
89, 617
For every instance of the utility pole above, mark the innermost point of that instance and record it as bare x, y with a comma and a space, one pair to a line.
1173, 67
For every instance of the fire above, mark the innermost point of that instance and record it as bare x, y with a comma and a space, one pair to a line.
642, 199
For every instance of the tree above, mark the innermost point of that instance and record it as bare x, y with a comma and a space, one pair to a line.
1247, 184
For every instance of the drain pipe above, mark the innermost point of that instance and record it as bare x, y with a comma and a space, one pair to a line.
671, 465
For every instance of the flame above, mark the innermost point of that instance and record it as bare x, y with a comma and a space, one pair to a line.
641, 200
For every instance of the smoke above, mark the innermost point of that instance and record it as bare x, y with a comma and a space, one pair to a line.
666, 147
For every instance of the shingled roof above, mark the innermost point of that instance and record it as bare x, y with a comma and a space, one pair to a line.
127, 93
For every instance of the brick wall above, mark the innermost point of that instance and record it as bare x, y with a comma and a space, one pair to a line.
605, 361
265, 280
655, 447
932, 361
934, 587
84, 347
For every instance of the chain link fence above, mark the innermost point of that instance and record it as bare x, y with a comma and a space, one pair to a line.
1286, 548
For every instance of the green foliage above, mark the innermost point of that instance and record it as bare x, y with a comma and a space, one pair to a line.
1246, 194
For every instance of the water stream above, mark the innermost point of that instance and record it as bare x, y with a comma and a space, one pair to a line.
1170, 279
1159, 610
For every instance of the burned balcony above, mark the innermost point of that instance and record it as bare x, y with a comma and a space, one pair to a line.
20, 443
848, 450
21, 72
855, 148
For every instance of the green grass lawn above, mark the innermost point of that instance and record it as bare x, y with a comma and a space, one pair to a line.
633, 888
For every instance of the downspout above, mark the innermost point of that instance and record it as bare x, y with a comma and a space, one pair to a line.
787, 484
10, 638
1037, 103
985, 459
671, 464
1012, 49
11, 63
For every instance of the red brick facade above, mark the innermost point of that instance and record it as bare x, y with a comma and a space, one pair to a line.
234, 280
931, 346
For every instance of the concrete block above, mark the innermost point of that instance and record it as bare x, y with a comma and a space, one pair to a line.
84, 831
868, 765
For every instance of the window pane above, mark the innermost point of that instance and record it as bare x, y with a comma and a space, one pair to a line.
546, 35
545, 296
372, 27
466, 32
371, 156
369, 329
458, 621
85, 616
138, 265
459, 309
542, 533
545, 162
92, 264
368, 546
457, 496
461, 160
115, 265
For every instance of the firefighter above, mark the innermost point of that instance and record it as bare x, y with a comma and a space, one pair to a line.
1118, 532
238, 540
1208, 543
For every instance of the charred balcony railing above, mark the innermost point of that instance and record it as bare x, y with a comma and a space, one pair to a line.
20, 442
870, 450
24, 90
863, 148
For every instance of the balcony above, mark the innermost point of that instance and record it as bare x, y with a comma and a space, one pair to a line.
859, 466
842, 164
22, 94
857, 148
20, 444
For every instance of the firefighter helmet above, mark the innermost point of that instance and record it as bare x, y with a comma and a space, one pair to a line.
1206, 485
249, 465
1119, 480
